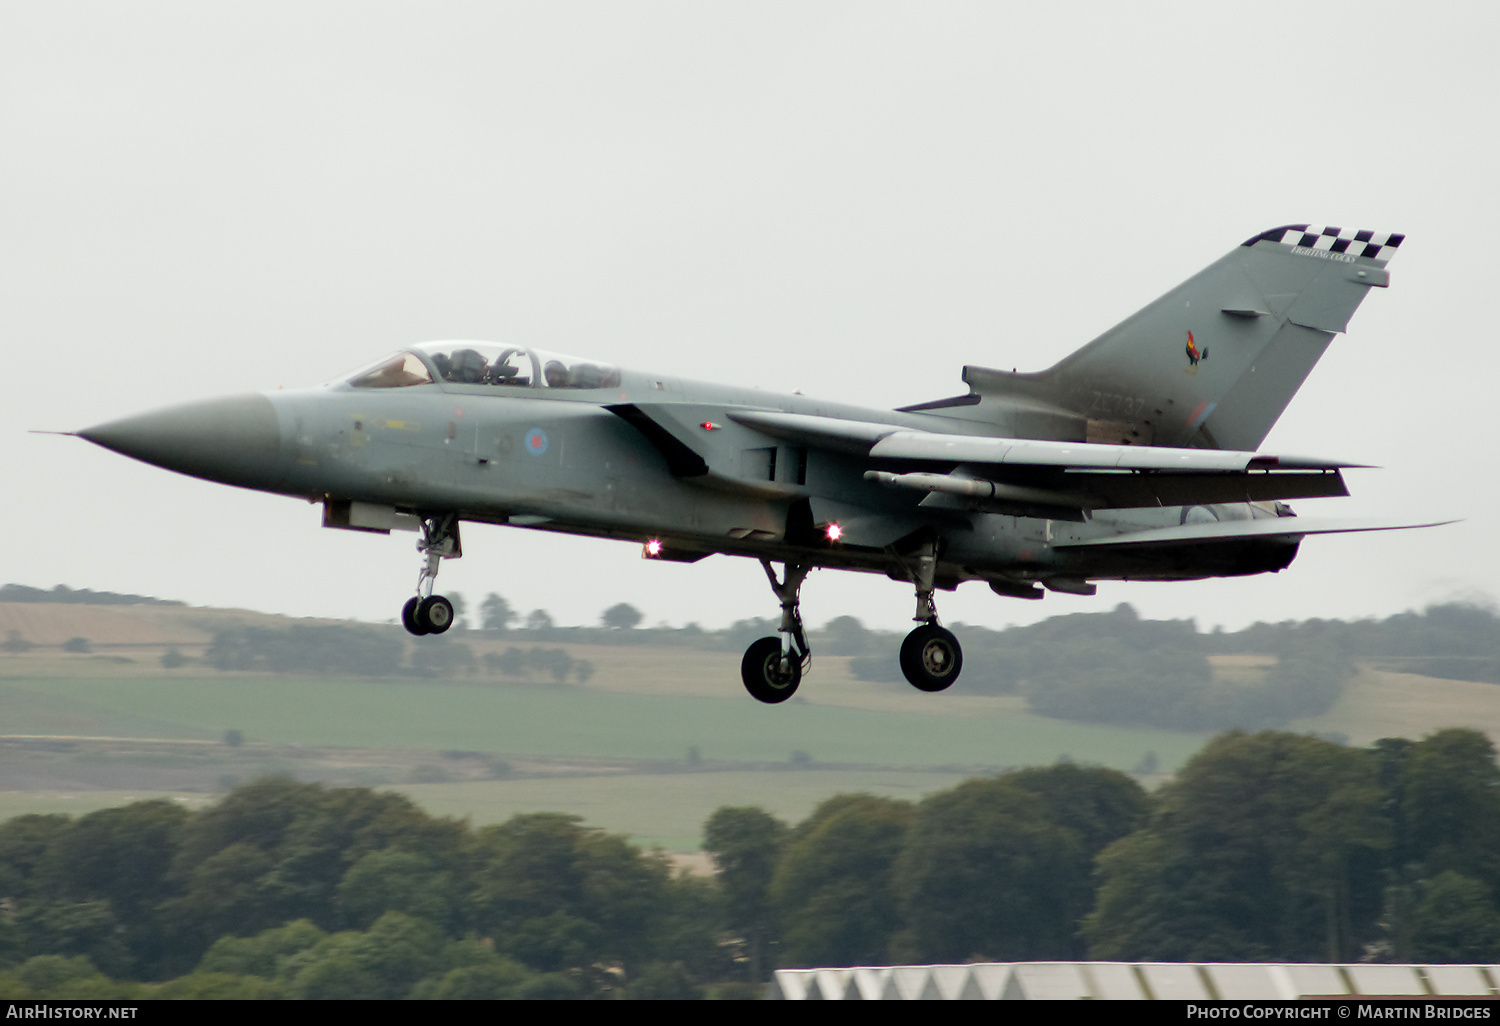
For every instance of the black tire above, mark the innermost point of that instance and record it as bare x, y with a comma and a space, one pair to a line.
409, 617
931, 658
436, 614
761, 672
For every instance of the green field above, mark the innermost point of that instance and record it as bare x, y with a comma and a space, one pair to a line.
657, 809
786, 758
518, 720
615, 751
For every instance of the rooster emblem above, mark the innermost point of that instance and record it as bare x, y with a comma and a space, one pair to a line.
1194, 354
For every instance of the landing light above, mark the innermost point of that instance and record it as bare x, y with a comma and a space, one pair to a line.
651, 549
834, 532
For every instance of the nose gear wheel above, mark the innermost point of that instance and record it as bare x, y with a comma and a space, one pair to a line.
426, 613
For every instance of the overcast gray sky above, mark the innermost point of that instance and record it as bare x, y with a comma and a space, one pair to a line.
851, 199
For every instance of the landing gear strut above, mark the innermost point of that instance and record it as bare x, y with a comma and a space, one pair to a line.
931, 657
424, 612
773, 667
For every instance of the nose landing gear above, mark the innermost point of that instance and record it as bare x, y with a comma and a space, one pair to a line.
424, 612
773, 667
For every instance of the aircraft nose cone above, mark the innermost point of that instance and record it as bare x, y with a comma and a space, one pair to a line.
236, 440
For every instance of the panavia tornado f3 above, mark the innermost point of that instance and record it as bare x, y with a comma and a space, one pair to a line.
1133, 458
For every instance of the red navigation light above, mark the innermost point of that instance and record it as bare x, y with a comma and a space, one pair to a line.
709, 425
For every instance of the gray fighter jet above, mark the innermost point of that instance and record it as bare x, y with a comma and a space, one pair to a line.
1133, 458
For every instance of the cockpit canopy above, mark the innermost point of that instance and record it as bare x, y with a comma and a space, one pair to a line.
481, 363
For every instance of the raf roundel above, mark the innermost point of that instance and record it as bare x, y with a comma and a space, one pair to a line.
536, 441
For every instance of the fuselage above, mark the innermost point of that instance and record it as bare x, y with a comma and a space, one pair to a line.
573, 452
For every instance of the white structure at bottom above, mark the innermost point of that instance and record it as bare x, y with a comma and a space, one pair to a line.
1175, 981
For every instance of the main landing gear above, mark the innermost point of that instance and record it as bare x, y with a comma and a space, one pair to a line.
773, 667
931, 657
424, 612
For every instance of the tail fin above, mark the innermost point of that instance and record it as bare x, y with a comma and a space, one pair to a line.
1214, 362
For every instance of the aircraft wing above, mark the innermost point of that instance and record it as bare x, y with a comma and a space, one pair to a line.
886, 441
1007, 474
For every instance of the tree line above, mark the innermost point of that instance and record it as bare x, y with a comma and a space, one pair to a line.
1111, 667
1117, 668
77, 596
1267, 846
334, 649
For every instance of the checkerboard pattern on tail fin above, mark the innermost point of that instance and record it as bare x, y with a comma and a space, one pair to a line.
1355, 242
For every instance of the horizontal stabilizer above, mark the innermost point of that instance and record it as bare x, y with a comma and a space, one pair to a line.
1241, 530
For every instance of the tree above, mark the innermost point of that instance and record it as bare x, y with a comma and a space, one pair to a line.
746, 844
488, 977
846, 636
664, 982
1449, 792
553, 662
986, 874
53, 976
556, 895
77, 928
392, 880
434, 656
1098, 806
276, 850
495, 613
26, 866
460, 609
1453, 920
833, 885
328, 648
623, 616
539, 620
1266, 846
1150, 900
123, 857
262, 954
